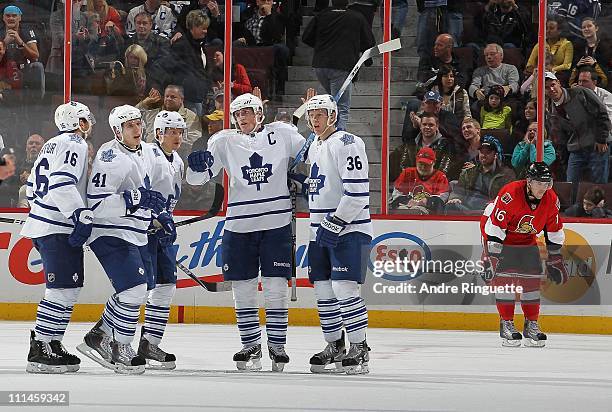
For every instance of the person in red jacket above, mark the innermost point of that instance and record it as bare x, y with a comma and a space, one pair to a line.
241, 83
421, 189
509, 227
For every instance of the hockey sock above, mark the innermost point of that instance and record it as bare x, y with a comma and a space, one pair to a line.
329, 311
352, 308
157, 312
530, 304
505, 305
59, 333
49, 320
276, 303
247, 311
121, 313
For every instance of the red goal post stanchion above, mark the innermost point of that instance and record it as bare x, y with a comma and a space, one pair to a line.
67, 51
543, 9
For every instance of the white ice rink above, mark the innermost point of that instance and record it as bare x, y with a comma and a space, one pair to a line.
411, 370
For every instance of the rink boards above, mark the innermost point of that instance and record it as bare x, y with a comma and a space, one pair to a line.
584, 305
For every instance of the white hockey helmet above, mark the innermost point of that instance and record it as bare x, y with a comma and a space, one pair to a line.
166, 119
120, 115
244, 101
322, 101
67, 117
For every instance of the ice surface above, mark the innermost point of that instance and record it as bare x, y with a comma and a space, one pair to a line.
411, 370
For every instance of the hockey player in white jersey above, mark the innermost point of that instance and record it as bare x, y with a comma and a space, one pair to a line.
119, 193
341, 232
166, 177
59, 224
257, 231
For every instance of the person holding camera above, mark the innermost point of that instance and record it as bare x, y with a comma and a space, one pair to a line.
525, 151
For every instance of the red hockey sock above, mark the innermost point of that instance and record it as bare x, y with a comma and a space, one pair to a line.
531, 310
506, 310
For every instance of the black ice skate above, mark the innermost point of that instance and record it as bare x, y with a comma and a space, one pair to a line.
72, 362
154, 356
249, 358
510, 336
534, 337
279, 357
97, 347
330, 356
356, 360
41, 358
126, 360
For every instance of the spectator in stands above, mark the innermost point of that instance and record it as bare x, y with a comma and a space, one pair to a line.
589, 79
582, 121
527, 116
22, 50
527, 88
592, 50
367, 8
429, 64
213, 121
593, 205
435, 17
470, 130
211, 9
173, 101
454, 97
130, 79
110, 19
449, 124
32, 148
421, 190
7, 170
10, 75
574, 12
525, 151
189, 61
561, 49
480, 181
494, 114
156, 46
505, 23
338, 37
240, 79
266, 27
162, 17
493, 73
55, 62
398, 17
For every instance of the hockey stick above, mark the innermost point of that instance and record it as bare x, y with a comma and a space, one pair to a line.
214, 208
292, 193
9, 220
209, 286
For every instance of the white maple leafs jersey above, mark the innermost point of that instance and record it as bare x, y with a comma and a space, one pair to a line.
257, 166
56, 186
164, 21
339, 183
166, 174
115, 170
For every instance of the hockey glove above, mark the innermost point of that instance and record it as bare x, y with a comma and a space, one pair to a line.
555, 268
301, 183
491, 259
329, 231
83, 223
200, 161
166, 236
142, 198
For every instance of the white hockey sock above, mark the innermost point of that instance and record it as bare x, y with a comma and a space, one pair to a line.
276, 303
59, 333
247, 311
121, 318
156, 318
49, 320
329, 311
353, 309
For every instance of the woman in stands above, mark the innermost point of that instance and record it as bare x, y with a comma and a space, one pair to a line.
110, 19
525, 151
594, 50
241, 83
561, 49
455, 98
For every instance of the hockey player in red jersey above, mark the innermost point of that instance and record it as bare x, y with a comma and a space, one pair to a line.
509, 228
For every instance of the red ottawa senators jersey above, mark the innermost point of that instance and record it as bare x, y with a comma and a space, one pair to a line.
409, 182
511, 218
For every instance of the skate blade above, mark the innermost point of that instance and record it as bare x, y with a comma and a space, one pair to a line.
250, 365
36, 367
156, 365
95, 356
122, 369
511, 343
357, 369
73, 368
530, 343
278, 367
335, 368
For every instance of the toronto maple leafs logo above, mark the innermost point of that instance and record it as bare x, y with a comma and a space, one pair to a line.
347, 139
156, 152
76, 138
316, 182
107, 155
257, 173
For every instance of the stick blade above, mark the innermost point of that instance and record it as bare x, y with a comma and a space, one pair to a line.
389, 46
299, 112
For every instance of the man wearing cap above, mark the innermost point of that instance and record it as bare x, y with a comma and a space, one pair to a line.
582, 122
421, 189
213, 121
480, 181
174, 97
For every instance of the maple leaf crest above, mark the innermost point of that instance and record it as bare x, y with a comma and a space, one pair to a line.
257, 172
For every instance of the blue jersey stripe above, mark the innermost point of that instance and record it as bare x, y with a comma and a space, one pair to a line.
55, 186
252, 202
50, 221
98, 196
44, 206
355, 180
332, 210
358, 194
70, 175
272, 212
355, 222
133, 229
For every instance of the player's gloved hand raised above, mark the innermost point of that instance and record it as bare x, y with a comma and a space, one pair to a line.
83, 223
329, 231
301, 183
142, 198
200, 161
555, 268
166, 236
